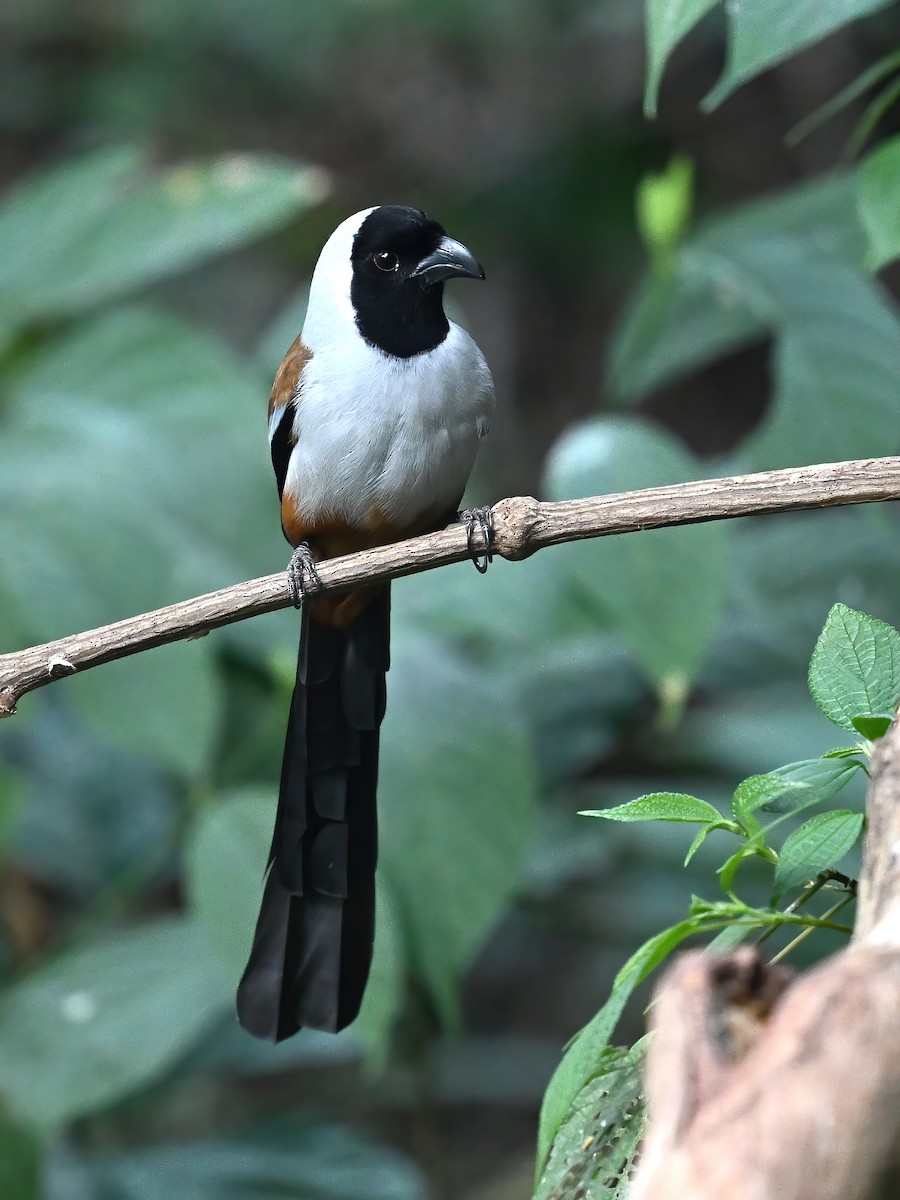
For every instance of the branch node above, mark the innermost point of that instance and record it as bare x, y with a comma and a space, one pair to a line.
7, 702
514, 522
59, 666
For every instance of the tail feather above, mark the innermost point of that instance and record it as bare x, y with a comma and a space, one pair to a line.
313, 944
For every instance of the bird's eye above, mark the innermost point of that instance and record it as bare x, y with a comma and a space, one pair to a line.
387, 260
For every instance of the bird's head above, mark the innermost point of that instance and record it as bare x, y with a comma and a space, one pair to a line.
384, 268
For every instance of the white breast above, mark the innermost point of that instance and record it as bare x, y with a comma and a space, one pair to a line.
385, 437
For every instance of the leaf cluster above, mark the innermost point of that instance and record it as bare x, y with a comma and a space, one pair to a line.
854, 678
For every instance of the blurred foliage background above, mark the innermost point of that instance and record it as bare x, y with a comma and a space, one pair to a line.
667, 299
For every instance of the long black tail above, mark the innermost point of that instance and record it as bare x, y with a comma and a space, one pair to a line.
313, 943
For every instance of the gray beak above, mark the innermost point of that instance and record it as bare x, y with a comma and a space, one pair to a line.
450, 259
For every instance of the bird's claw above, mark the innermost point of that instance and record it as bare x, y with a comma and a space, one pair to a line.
303, 578
481, 519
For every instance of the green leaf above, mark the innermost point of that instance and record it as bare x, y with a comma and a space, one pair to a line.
185, 389
108, 224
667, 22
293, 1160
595, 1148
457, 806
659, 806
812, 781
787, 267
855, 667
42, 216
849, 385
731, 936
836, 103
729, 868
764, 32
746, 727
664, 206
758, 791
872, 115
722, 290
106, 1019
819, 843
447, 603
663, 588
874, 727
20, 1161
225, 857
678, 320
845, 751
12, 787
165, 704
386, 986
585, 1053
702, 835
761, 34
571, 693
128, 539
123, 813
879, 203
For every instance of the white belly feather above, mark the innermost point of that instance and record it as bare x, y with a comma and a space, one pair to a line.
387, 435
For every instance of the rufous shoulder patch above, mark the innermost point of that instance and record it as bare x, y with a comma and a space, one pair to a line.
287, 378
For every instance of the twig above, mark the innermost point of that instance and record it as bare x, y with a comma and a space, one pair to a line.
810, 929
821, 880
521, 526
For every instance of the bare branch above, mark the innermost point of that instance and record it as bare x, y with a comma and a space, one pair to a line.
522, 525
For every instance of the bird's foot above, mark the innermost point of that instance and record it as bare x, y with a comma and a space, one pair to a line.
303, 578
479, 548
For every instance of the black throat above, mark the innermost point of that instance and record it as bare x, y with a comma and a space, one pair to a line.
395, 313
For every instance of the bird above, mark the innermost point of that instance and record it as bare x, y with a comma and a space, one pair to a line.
375, 417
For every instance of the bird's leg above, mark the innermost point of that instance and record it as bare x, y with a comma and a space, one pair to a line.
303, 578
482, 519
